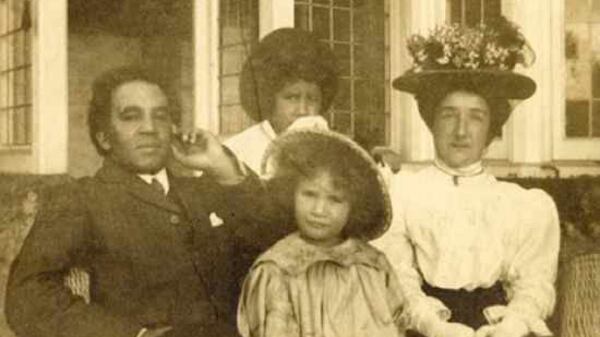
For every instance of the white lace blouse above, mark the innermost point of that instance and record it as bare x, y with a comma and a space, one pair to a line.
470, 232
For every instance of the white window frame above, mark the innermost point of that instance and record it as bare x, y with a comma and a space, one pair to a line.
272, 14
578, 149
48, 151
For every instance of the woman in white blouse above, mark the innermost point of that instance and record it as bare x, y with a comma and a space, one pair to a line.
289, 75
474, 256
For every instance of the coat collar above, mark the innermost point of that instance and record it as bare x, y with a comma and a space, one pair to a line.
113, 173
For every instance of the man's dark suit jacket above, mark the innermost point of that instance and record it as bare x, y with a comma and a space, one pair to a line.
153, 260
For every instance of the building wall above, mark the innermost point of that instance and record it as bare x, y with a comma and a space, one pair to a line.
91, 54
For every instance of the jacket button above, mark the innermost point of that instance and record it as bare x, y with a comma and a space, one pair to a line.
174, 219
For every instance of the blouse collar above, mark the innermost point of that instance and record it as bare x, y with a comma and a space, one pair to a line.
268, 129
458, 174
294, 255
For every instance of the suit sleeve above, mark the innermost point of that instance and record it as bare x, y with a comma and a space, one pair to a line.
259, 223
38, 304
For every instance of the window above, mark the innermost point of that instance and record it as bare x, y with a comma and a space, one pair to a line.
582, 52
355, 30
238, 33
15, 73
473, 12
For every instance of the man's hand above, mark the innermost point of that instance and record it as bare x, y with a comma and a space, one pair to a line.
201, 150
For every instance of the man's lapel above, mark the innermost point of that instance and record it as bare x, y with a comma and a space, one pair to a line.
191, 200
112, 173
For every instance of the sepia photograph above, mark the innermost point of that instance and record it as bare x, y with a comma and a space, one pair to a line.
299, 168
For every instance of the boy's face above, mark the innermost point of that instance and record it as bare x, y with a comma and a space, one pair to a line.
139, 134
460, 128
296, 99
321, 210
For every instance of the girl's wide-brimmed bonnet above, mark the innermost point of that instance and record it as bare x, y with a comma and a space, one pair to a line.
300, 145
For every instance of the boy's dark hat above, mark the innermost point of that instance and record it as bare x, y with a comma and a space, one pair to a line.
297, 140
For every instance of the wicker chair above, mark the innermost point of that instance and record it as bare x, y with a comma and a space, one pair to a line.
579, 305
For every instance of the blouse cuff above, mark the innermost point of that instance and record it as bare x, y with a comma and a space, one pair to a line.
497, 313
424, 310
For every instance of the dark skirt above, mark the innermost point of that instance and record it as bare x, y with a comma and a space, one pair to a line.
467, 306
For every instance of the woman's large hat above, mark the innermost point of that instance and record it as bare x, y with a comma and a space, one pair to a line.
481, 58
299, 148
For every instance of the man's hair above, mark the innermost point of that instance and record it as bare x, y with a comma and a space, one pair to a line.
103, 88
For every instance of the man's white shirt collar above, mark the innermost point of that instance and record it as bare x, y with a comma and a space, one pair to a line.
161, 176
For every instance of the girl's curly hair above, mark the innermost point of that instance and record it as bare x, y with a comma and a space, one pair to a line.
308, 156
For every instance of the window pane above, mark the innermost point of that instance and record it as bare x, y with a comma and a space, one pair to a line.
596, 119
492, 8
362, 96
578, 84
356, 31
473, 12
341, 3
342, 122
238, 21
341, 25
3, 126
3, 91
343, 100
576, 11
232, 59
361, 24
301, 17
28, 80
20, 126
455, 11
577, 118
19, 87
233, 119
321, 22
342, 54
3, 54
370, 130
595, 59
229, 90
18, 49
3, 21
595, 12
324, 2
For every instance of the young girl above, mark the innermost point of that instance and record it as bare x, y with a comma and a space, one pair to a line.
324, 279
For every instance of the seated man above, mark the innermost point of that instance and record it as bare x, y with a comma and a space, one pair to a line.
161, 251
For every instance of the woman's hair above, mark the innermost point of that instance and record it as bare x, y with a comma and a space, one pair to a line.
349, 172
429, 101
285, 56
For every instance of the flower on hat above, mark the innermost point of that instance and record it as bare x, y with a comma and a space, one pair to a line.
496, 45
